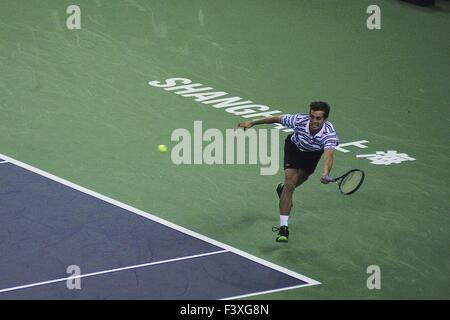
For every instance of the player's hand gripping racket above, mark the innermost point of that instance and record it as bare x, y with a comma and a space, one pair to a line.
349, 182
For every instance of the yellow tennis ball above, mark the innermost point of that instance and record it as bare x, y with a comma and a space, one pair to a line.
162, 148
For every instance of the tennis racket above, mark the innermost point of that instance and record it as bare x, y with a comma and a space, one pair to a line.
349, 182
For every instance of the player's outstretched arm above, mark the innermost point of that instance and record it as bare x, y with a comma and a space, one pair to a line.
327, 165
266, 120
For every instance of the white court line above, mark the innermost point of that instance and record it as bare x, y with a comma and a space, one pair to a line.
111, 271
3, 161
269, 291
162, 221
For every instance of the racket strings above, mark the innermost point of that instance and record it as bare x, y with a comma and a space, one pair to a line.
351, 181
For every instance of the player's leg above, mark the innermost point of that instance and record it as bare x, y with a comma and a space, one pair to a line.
302, 177
291, 178
290, 183
290, 151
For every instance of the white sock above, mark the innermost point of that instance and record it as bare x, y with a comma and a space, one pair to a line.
284, 220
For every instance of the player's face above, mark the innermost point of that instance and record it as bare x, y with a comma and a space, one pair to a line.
317, 120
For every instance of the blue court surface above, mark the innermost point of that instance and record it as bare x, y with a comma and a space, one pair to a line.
48, 224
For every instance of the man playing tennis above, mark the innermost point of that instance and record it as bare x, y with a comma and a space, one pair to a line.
313, 136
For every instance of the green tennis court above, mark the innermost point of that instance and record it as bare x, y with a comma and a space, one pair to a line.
78, 104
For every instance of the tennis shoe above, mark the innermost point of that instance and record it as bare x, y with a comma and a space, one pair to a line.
283, 233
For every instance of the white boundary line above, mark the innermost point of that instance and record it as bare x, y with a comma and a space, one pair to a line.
3, 161
269, 291
112, 270
152, 217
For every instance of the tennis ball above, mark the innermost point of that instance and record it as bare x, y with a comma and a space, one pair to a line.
162, 148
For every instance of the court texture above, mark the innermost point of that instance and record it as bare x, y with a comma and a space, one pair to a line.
83, 185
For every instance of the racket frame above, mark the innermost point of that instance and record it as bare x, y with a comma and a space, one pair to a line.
339, 180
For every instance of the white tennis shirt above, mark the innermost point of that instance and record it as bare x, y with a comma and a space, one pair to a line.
326, 138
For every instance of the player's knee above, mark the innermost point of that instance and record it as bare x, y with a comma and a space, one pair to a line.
301, 180
289, 185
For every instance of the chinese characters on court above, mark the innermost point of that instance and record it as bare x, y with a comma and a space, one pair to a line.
378, 158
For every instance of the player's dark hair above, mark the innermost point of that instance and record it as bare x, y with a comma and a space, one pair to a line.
320, 106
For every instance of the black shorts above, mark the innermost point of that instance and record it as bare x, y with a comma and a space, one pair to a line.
297, 159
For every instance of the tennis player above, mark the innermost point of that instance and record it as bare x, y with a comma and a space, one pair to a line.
313, 136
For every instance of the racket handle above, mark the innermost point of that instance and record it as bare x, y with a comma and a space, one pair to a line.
328, 179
